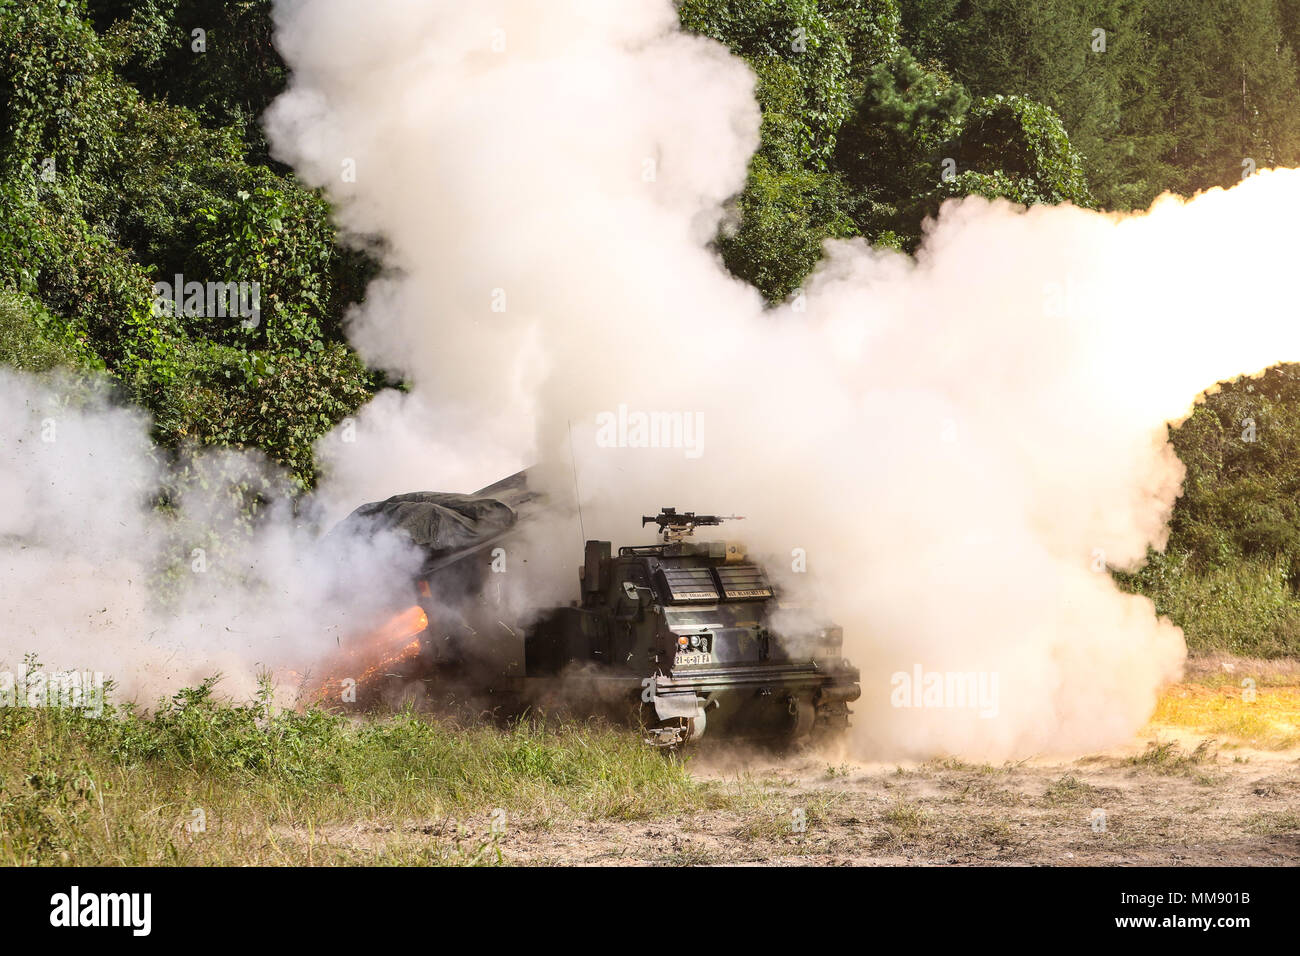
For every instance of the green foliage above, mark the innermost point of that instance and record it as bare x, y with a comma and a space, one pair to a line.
108, 191
891, 150
794, 33
1013, 147
33, 340
120, 788
785, 215
915, 140
810, 59
229, 83
1225, 89
282, 401
1168, 95
856, 131
1242, 491
1248, 607
1230, 572
1087, 62
871, 28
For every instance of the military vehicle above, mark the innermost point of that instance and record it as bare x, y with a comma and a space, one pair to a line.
675, 636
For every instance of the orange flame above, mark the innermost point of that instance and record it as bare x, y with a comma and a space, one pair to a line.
374, 654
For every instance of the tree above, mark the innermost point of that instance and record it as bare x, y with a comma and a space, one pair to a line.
106, 191
1227, 86
1013, 147
1089, 62
891, 149
809, 59
772, 34
215, 57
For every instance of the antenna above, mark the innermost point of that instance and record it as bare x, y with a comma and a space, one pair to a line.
577, 495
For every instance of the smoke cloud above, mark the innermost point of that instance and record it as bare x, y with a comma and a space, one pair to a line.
151, 570
955, 447
942, 452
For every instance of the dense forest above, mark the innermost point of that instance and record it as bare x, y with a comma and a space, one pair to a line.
121, 164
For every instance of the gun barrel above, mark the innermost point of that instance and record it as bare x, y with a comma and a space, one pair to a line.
670, 518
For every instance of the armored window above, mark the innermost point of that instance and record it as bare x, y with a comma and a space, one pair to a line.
743, 582
689, 584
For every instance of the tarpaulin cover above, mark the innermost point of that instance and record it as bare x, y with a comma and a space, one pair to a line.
441, 524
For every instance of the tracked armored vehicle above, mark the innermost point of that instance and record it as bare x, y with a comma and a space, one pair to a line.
676, 637
692, 633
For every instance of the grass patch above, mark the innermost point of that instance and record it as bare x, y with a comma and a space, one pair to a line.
1170, 759
1248, 607
33, 340
1275, 824
904, 820
788, 820
199, 782
1264, 718
1070, 791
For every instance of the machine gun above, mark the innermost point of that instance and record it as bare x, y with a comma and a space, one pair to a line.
675, 527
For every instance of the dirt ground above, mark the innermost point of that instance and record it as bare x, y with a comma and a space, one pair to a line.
1175, 795
1207, 782
1215, 810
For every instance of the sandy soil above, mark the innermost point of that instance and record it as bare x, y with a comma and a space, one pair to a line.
1189, 802
1223, 810
1174, 795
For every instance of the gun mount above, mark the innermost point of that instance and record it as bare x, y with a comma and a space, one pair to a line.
676, 526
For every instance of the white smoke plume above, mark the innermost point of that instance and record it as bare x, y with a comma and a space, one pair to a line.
953, 444
957, 444
95, 577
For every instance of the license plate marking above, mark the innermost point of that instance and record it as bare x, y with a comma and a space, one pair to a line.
685, 660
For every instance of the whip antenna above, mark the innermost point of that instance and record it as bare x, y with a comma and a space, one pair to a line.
577, 495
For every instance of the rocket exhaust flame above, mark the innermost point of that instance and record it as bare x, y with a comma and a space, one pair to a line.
354, 672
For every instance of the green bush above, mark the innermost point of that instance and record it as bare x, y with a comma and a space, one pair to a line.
120, 788
33, 340
1230, 571
107, 191
1247, 607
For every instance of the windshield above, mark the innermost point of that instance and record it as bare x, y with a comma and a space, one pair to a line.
737, 614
